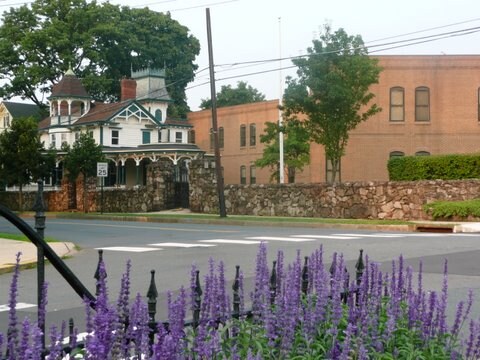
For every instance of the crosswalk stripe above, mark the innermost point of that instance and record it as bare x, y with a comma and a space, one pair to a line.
128, 248
374, 235
225, 241
274, 238
180, 245
18, 306
340, 237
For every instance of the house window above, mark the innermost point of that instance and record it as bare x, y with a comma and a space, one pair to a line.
243, 136
145, 137
397, 104
243, 174
396, 154
191, 137
63, 138
178, 137
253, 175
422, 104
115, 137
53, 140
158, 115
422, 153
159, 136
253, 135
6, 121
221, 138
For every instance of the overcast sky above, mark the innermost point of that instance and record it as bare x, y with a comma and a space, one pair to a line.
249, 30
246, 30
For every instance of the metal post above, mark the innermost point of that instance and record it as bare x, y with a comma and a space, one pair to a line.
39, 208
197, 301
98, 276
236, 296
152, 295
305, 276
101, 200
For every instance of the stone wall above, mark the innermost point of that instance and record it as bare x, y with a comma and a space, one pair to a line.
359, 200
124, 200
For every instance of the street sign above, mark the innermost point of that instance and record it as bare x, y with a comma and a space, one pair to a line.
102, 169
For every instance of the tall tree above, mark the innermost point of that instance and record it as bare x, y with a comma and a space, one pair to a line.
296, 148
332, 91
23, 158
82, 159
101, 41
228, 96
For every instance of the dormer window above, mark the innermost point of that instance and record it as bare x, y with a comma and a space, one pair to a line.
158, 115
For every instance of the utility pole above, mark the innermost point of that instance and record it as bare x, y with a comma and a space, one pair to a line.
218, 165
280, 122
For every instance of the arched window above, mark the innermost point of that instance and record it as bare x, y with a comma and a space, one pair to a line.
397, 104
422, 153
243, 175
243, 136
158, 115
422, 104
396, 154
253, 174
253, 134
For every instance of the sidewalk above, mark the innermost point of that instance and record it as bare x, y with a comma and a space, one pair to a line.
10, 248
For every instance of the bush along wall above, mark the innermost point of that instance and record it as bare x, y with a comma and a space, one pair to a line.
445, 167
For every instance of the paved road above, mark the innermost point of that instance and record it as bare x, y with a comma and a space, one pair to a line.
170, 249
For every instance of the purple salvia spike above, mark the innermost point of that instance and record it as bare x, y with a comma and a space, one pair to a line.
442, 306
23, 351
241, 292
12, 332
222, 293
400, 279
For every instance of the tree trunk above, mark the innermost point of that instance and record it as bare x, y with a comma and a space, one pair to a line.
85, 197
291, 174
20, 198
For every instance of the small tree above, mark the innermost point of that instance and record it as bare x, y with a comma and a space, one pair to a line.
332, 91
296, 148
82, 159
228, 96
23, 158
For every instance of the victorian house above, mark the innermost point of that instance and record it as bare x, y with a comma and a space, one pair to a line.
10, 110
133, 133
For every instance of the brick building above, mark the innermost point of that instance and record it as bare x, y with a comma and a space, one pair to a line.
431, 105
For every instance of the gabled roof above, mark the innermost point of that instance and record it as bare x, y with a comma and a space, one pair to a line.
177, 123
69, 86
20, 110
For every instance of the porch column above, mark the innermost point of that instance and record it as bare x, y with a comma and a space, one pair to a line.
137, 163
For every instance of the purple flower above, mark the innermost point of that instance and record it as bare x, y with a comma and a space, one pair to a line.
12, 333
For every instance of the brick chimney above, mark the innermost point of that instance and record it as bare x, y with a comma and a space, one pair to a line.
128, 89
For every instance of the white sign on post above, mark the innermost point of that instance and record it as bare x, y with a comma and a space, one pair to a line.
102, 169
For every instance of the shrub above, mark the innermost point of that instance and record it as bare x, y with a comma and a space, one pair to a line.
445, 167
452, 209
382, 316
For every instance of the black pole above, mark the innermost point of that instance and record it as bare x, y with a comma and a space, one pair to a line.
39, 208
218, 165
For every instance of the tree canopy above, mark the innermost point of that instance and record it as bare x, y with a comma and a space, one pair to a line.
23, 158
296, 148
332, 91
228, 96
101, 41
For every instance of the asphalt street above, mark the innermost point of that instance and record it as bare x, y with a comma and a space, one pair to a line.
171, 249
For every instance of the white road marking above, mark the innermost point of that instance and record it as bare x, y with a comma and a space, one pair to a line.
180, 245
340, 237
375, 235
128, 248
225, 241
273, 238
18, 306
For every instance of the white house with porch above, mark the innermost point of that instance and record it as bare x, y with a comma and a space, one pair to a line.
133, 132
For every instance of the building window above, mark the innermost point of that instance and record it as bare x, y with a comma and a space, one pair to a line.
422, 153
115, 137
159, 136
397, 104
253, 175
53, 140
396, 154
221, 138
145, 137
243, 175
329, 171
253, 135
243, 136
478, 104
178, 137
422, 104
212, 139
191, 137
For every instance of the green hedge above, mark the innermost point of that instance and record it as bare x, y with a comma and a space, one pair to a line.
445, 167
453, 209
